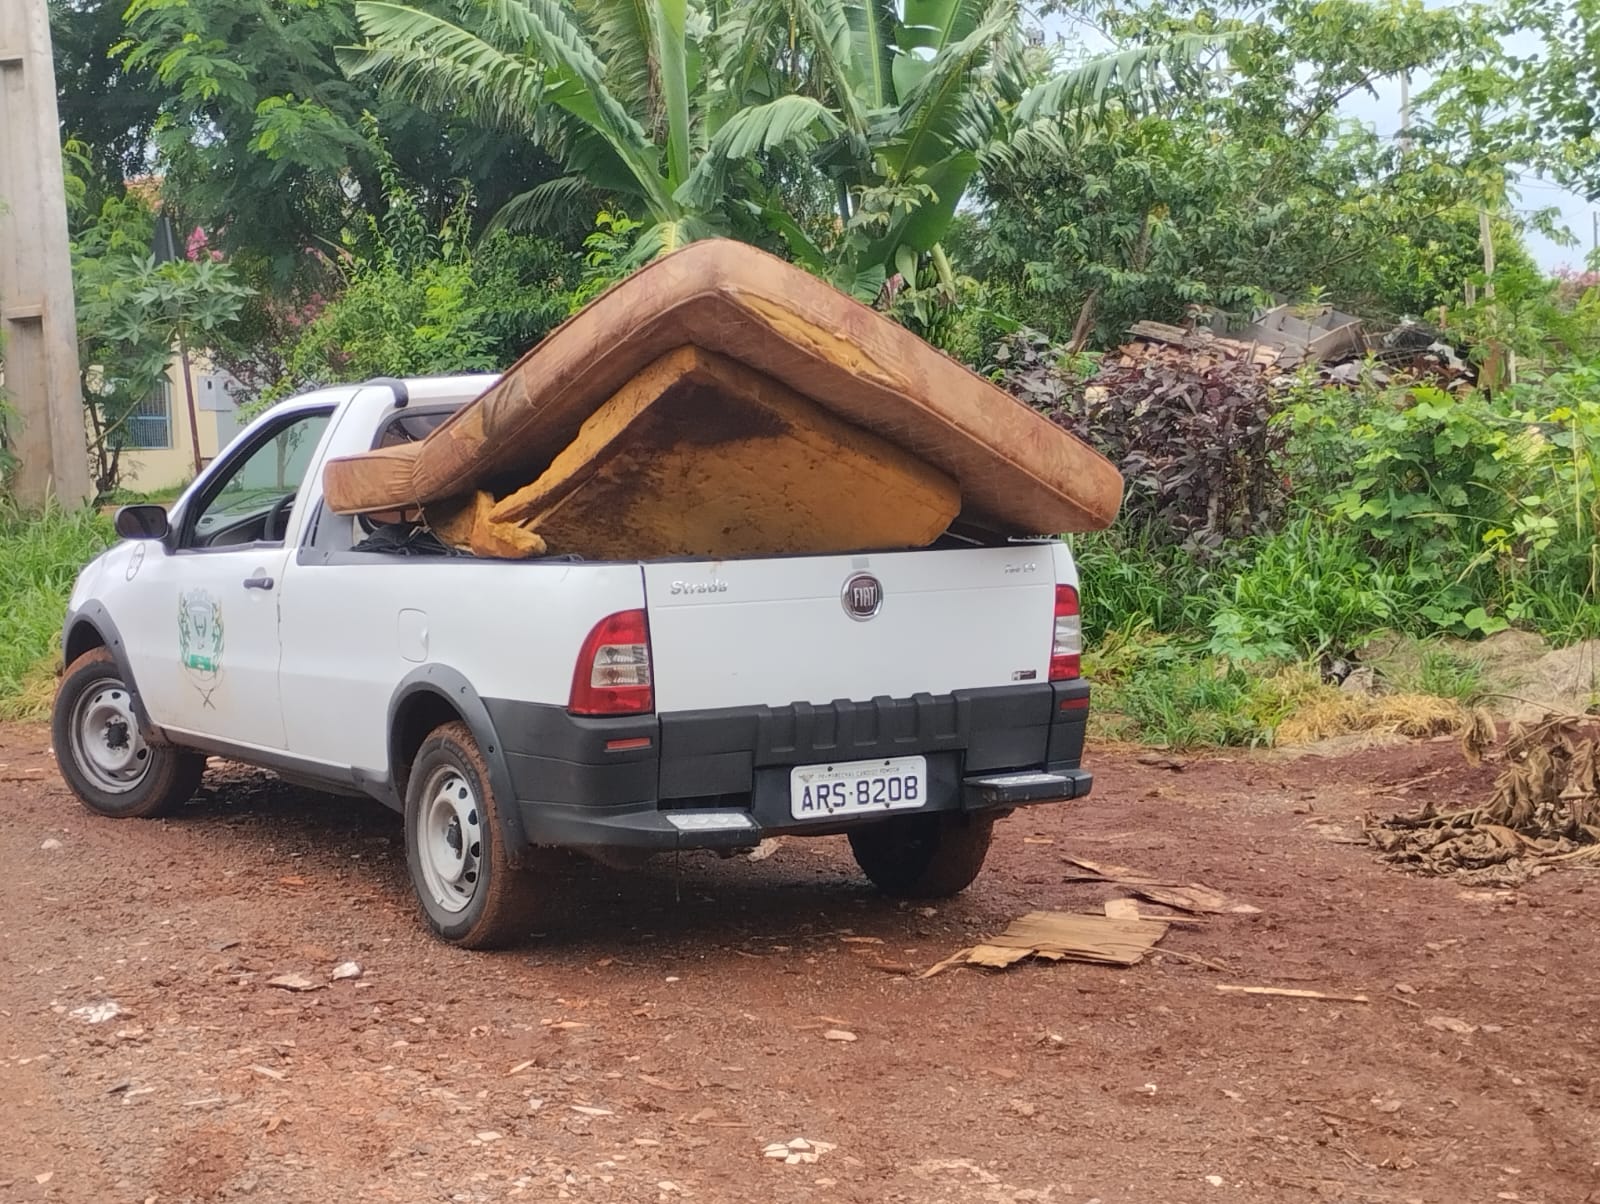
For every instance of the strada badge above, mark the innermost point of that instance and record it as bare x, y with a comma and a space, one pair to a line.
715, 586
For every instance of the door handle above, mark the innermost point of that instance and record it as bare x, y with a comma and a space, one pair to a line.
258, 583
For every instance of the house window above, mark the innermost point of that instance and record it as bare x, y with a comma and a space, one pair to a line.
150, 424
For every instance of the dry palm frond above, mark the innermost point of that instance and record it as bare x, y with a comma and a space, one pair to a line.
1545, 808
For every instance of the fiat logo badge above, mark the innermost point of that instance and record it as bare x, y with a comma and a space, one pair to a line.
862, 597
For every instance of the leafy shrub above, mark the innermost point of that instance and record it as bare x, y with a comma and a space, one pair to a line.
1482, 508
131, 313
421, 300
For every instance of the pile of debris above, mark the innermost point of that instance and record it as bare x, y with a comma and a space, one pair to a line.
1285, 338
1281, 338
1545, 810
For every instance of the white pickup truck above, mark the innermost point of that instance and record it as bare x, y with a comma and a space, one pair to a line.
905, 699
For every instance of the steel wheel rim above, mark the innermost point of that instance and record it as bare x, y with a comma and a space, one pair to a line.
450, 839
106, 745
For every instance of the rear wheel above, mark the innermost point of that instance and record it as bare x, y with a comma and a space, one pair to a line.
923, 856
103, 756
470, 893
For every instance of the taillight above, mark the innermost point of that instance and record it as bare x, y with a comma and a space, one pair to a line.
612, 676
1067, 650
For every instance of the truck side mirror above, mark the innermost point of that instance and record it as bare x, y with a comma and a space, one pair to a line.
142, 522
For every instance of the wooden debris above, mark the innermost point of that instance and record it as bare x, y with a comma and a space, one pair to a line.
1292, 993
1281, 338
651, 1080
1121, 874
1181, 896
1193, 898
1059, 935
293, 982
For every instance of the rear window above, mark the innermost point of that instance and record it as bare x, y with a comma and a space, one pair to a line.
411, 426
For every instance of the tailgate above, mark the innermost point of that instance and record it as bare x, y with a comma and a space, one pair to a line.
820, 629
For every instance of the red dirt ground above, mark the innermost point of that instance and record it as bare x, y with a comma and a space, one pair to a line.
684, 1007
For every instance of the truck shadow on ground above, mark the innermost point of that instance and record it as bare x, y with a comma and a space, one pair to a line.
808, 887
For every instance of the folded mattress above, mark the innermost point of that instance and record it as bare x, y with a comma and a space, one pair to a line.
730, 317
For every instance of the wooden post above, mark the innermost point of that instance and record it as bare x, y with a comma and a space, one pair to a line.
187, 369
37, 318
1499, 363
1486, 240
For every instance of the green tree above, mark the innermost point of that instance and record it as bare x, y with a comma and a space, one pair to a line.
1539, 109
132, 313
420, 299
107, 108
934, 91
262, 139
1250, 185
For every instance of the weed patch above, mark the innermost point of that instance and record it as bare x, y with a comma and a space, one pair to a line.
40, 555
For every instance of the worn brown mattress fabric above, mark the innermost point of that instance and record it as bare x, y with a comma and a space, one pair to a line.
721, 368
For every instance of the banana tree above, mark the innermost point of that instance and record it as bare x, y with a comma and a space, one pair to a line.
928, 93
646, 100
677, 106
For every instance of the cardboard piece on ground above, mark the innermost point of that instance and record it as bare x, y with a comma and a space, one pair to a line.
698, 455
1059, 935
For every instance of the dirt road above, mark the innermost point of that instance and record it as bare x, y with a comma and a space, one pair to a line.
670, 1023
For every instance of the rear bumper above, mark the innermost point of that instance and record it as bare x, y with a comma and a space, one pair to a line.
720, 779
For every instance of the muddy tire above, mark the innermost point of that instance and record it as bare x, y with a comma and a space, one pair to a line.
103, 756
470, 893
923, 856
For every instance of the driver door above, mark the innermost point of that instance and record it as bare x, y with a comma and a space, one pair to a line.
205, 645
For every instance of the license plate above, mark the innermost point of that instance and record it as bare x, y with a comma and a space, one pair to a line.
856, 787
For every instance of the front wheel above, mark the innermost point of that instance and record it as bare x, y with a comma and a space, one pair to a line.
923, 856
470, 893
103, 756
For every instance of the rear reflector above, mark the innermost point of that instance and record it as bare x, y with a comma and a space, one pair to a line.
630, 743
1066, 652
612, 676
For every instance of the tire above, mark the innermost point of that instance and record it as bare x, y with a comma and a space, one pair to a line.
101, 753
470, 894
923, 856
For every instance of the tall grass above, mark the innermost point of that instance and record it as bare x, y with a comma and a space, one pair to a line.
1129, 584
40, 555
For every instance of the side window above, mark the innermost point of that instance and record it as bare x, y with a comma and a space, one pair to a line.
252, 502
